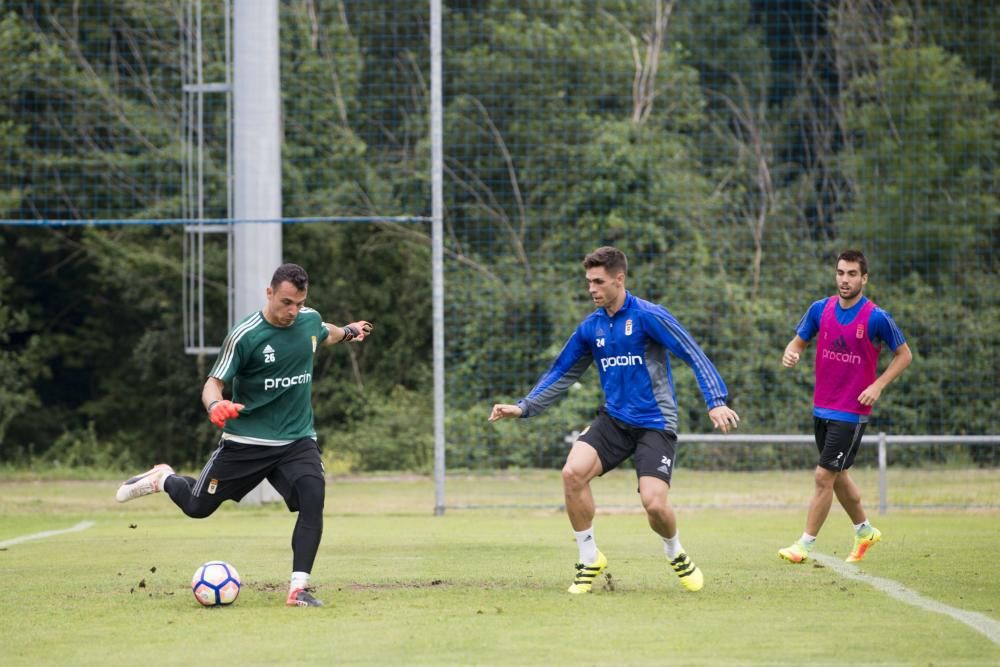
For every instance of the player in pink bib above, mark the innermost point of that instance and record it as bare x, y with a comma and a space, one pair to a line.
849, 332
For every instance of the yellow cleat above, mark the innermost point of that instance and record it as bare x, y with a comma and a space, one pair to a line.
795, 553
585, 575
690, 574
862, 544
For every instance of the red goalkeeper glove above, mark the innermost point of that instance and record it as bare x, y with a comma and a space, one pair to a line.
220, 411
357, 331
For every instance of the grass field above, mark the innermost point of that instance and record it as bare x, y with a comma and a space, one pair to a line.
484, 586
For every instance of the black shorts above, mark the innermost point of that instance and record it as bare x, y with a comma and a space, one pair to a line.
236, 468
652, 449
838, 442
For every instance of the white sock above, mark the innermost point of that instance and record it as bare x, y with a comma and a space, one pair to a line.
672, 546
807, 540
163, 481
587, 544
864, 525
299, 580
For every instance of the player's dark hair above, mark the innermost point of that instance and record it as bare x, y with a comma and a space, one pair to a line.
292, 273
612, 259
857, 257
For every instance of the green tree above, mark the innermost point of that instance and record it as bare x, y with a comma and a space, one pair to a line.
22, 363
924, 135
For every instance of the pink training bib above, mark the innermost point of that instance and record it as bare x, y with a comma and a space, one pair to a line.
846, 360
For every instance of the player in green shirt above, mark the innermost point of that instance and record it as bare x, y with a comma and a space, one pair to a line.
268, 430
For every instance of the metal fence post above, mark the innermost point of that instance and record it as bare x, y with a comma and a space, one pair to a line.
883, 500
437, 253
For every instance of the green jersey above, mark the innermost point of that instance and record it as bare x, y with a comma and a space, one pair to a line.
271, 371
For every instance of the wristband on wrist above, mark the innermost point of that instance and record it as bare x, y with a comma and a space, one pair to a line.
209, 408
349, 333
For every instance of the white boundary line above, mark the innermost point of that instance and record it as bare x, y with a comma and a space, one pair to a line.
981, 623
83, 525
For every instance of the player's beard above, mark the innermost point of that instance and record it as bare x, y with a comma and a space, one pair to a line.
850, 294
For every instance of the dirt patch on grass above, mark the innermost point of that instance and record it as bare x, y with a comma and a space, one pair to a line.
396, 585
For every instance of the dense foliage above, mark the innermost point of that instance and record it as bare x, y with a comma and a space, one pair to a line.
731, 147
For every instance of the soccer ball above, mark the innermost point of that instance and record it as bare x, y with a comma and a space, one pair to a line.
216, 583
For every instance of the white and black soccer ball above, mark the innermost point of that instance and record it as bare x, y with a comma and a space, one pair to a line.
216, 583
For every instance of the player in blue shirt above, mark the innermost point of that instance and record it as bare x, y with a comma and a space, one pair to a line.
628, 340
849, 331
881, 328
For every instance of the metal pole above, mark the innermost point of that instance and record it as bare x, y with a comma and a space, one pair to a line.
256, 163
187, 188
883, 500
437, 254
256, 150
230, 271
200, 113
200, 97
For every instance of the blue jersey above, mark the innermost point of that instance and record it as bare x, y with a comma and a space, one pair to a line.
630, 353
881, 329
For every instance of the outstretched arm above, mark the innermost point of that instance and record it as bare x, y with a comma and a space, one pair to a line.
503, 411
565, 370
353, 332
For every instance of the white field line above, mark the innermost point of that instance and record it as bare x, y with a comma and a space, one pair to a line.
83, 525
981, 623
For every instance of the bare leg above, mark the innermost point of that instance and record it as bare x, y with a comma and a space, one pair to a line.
582, 465
819, 506
849, 497
655, 495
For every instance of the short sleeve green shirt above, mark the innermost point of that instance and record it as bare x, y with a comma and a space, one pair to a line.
271, 372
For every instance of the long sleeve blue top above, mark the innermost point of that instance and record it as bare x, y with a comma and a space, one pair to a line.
630, 350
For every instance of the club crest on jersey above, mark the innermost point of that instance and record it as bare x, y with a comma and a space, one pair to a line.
314, 344
861, 331
628, 327
268, 354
